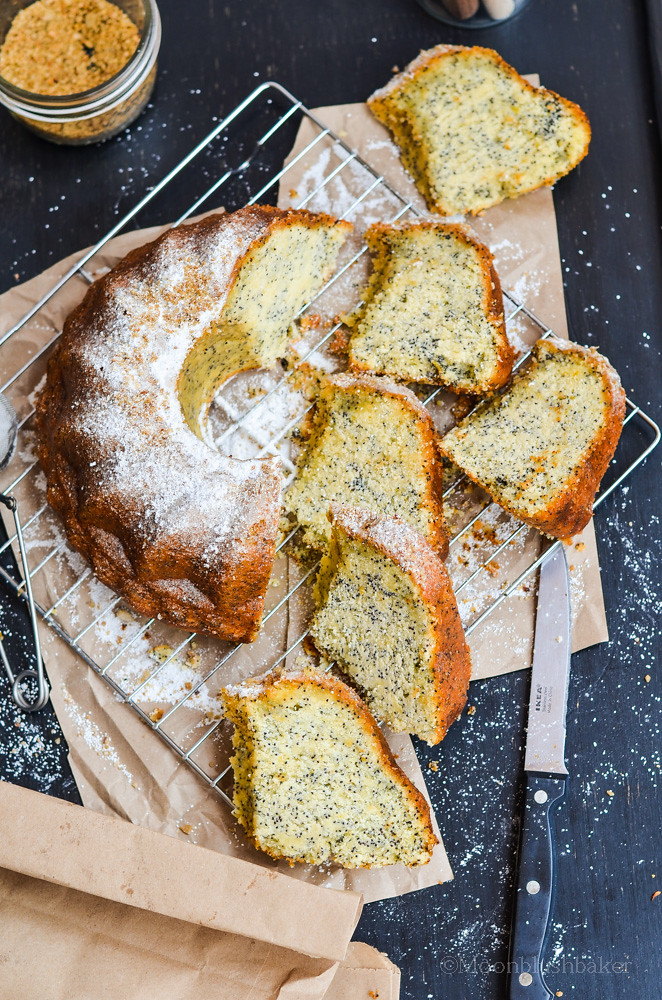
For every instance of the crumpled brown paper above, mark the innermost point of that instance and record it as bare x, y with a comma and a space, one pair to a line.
119, 764
92, 907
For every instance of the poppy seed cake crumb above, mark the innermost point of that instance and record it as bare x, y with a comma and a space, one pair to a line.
373, 445
433, 311
314, 780
473, 132
387, 616
541, 448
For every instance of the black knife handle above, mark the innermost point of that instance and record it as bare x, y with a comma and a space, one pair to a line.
535, 879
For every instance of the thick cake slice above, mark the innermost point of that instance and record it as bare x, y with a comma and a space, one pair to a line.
387, 616
314, 780
472, 131
373, 445
541, 449
433, 310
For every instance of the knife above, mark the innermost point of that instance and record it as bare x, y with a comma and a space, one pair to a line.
545, 780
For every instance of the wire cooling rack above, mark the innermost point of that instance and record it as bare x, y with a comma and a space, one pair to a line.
171, 679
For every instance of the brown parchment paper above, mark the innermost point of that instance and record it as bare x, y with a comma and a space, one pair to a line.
119, 764
112, 910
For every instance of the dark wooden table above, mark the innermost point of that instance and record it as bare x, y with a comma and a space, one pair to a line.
450, 941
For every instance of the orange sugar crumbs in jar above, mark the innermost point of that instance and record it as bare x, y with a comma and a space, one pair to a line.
79, 71
67, 46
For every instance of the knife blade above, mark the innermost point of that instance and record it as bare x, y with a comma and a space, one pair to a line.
545, 780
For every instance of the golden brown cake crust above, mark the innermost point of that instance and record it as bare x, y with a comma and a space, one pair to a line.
572, 508
399, 542
378, 234
281, 681
182, 532
379, 104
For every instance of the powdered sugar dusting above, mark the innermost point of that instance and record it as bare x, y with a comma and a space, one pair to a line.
126, 418
349, 194
95, 739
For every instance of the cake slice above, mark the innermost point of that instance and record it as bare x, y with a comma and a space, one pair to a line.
388, 618
473, 132
283, 270
541, 448
372, 445
314, 780
433, 310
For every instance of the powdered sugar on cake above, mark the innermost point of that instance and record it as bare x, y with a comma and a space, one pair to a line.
146, 452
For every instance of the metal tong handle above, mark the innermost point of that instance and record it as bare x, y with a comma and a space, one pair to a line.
17, 680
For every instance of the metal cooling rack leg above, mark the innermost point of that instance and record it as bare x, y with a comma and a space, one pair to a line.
19, 680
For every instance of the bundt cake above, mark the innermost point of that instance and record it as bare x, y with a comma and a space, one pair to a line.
541, 448
433, 310
314, 780
372, 445
387, 617
473, 132
181, 531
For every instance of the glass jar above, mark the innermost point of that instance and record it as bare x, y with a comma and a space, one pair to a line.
103, 111
472, 13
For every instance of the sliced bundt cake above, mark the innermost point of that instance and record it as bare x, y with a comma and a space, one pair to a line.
372, 445
181, 531
472, 131
387, 616
541, 448
314, 780
433, 310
